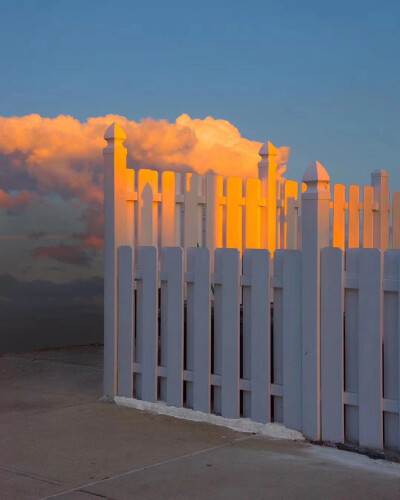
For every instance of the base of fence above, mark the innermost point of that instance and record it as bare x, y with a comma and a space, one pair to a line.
272, 430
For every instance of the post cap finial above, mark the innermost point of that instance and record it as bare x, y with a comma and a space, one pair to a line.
268, 149
115, 131
317, 180
316, 172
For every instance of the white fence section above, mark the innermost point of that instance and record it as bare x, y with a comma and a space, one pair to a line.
309, 337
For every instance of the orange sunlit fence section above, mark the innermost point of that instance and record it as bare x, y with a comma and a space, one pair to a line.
188, 209
174, 209
368, 218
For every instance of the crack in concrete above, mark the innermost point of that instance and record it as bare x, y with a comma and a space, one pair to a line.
147, 467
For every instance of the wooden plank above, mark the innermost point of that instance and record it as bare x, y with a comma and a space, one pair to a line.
380, 185
291, 342
130, 207
289, 229
193, 191
168, 205
234, 203
172, 264
199, 326
332, 345
147, 321
147, 208
351, 342
338, 232
368, 233
354, 217
292, 219
391, 346
179, 210
370, 348
256, 333
253, 214
227, 264
398, 350
214, 192
396, 220
125, 321
277, 334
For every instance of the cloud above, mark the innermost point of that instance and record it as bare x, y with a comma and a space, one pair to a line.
17, 202
44, 156
68, 254
64, 155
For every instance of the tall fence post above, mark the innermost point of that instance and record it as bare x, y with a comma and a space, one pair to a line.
315, 236
267, 173
115, 234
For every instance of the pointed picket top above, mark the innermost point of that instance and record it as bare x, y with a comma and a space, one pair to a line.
268, 149
114, 136
316, 177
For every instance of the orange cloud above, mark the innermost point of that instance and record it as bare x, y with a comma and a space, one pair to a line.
65, 155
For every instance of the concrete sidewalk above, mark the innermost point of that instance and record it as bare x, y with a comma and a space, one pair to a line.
57, 440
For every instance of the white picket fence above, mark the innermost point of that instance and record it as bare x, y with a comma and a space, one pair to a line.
309, 337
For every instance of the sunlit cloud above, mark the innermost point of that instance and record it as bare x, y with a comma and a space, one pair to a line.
41, 157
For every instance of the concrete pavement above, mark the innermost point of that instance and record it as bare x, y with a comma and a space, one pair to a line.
57, 440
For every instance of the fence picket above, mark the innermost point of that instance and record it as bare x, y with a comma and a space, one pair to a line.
193, 191
199, 327
148, 209
289, 219
256, 335
234, 204
125, 321
368, 230
172, 322
252, 214
131, 198
147, 321
332, 348
370, 348
291, 340
396, 221
351, 342
277, 335
354, 217
227, 301
380, 185
339, 216
168, 205
391, 346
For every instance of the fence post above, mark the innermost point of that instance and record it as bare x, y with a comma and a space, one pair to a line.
315, 236
267, 173
115, 234
380, 185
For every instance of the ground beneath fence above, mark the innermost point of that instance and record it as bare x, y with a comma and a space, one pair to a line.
59, 440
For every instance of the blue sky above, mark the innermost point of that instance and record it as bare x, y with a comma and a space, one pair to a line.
320, 77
